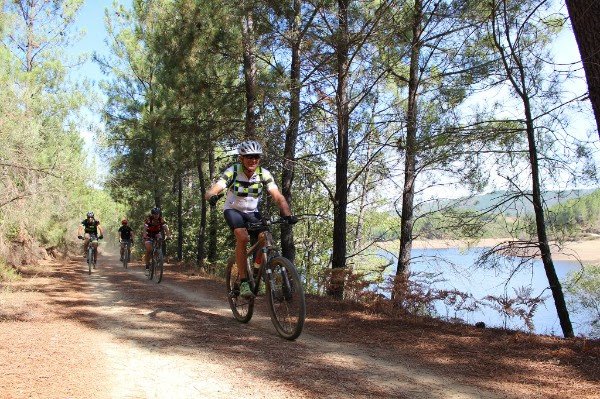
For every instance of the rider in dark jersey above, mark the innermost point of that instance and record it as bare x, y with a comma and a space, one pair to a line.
89, 230
125, 235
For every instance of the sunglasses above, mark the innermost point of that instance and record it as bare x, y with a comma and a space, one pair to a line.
252, 156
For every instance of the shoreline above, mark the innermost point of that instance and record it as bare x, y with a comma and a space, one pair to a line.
585, 251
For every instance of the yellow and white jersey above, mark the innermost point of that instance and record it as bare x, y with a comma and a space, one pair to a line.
243, 193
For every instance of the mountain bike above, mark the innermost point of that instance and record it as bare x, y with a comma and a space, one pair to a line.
284, 291
92, 253
126, 252
156, 264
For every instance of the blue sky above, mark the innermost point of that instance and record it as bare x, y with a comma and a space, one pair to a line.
91, 20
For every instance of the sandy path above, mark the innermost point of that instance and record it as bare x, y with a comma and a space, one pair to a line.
114, 334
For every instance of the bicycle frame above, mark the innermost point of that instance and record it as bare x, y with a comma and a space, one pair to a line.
268, 252
156, 269
156, 245
126, 252
92, 252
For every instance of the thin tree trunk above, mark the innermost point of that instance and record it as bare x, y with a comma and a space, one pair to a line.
212, 242
585, 18
408, 194
249, 72
555, 286
340, 204
153, 150
363, 194
361, 211
201, 251
29, 15
309, 251
179, 217
289, 153
517, 78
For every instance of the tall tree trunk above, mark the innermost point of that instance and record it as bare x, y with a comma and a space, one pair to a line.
179, 217
340, 202
585, 18
363, 196
201, 249
517, 78
555, 286
29, 15
249, 71
289, 153
408, 194
212, 242
153, 149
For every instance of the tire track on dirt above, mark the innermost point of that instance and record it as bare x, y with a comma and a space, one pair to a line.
389, 379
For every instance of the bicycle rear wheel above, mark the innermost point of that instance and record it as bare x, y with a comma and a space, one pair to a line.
242, 308
285, 297
157, 269
125, 256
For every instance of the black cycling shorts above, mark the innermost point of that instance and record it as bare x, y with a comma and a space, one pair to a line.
236, 219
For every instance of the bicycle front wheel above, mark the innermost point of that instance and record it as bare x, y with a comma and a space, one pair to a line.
157, 269
150, 271
242, 308
285, 297
90, 258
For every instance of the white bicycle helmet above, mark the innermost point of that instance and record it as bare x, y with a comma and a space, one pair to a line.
250, 147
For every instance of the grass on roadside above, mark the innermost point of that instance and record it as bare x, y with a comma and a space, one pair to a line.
8, 273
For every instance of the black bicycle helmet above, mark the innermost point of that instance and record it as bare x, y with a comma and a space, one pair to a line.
155, 211
250, 147
90, 214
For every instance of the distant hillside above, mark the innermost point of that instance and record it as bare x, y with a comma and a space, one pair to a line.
520, 206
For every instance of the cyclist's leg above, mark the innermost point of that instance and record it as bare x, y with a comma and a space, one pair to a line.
237, 222
86, 242
241, 242
255, 236
94, 244
122, 250
148, 243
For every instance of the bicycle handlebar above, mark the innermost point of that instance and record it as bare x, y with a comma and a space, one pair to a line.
97, 237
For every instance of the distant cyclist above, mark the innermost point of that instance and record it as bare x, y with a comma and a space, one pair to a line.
125, 236
89, 230
244, 182
154, 226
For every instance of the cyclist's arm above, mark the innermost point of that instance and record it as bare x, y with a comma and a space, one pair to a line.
166, 229
280, 200
221, 182
100, 230
215, 189
80, 230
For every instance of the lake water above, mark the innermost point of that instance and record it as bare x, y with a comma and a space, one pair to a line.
457, 270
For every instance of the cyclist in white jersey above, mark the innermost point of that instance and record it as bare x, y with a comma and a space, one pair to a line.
244, 182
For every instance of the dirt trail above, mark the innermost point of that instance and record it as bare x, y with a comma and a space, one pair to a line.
114, 334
